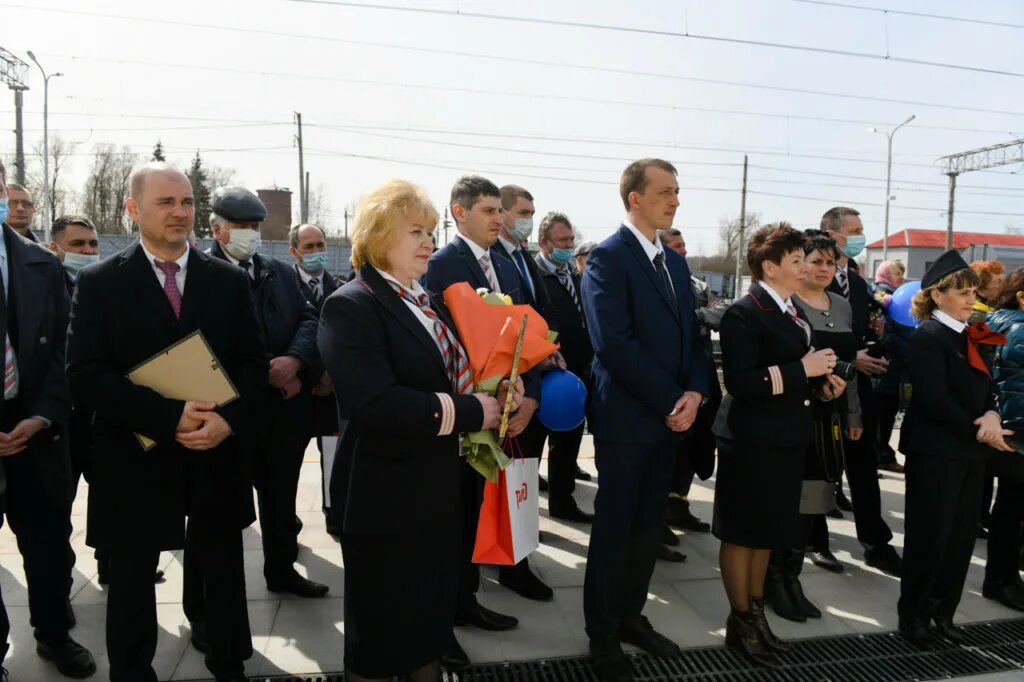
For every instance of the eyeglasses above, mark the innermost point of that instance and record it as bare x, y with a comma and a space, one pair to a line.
14, 203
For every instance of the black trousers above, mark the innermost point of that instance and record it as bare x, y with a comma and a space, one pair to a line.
472, 493
682, 474
131, 614
214, 594
888, 408
42, 527
563, 450
629, 514
940, 529
277, 463
1004, 533
862, 475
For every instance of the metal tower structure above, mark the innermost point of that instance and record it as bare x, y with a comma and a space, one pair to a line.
14, 72
973, 160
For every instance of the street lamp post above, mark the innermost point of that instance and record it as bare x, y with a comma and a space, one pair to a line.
47, 217
888, 182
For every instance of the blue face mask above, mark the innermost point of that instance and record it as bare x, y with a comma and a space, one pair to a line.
315, 262
4, 209
76, 261
854, 245
561, 255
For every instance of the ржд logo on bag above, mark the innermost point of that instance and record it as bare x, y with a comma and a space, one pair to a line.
521, 495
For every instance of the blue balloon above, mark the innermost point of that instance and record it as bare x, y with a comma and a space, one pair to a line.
899, 306
562, 397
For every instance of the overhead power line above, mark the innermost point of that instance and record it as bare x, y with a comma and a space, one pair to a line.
502, 58
908, 13
672, 34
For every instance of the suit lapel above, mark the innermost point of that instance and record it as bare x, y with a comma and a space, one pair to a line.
29, 286
475, 271
647, 267
394, 304
196, 276
149, 293
764, 301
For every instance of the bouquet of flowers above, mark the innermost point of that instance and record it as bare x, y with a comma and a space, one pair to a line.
489, 326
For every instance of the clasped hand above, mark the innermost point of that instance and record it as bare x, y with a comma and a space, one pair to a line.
17, 440
684, 412
992, 433
200, 428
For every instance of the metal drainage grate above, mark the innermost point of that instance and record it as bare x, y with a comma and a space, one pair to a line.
992, 647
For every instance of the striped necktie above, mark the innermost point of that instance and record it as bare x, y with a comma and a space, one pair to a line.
844, 282
796, 317
517, 255
565, 278
456, 361
10, 361
485, 264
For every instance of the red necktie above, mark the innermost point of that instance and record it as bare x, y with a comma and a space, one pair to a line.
170, 271
979, 334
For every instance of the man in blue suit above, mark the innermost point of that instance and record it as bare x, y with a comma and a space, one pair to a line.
476, 208
649, 378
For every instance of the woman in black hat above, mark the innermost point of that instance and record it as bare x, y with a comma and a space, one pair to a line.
952, 425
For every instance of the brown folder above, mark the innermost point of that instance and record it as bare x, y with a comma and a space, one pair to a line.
186, 370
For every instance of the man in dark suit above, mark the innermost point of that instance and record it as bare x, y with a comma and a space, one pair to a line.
472, 257
844, 225
288, 329
561, 281
308, 246
127, 309
35, 474
650, 377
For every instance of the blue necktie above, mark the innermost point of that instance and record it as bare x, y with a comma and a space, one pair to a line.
521, 264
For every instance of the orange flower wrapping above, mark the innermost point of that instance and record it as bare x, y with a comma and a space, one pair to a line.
489, 333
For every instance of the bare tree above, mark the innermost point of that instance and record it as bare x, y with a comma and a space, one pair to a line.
62, 197
729, 233
107, 187
320, 212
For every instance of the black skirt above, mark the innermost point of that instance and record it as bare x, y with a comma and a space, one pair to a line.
400, 593
757, 494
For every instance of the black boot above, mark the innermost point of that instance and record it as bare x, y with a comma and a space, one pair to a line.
768, 637
794, 565
741, 635
776, 594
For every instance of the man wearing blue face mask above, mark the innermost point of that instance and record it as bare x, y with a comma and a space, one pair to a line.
308, 246
844, 226
562, 283
76, 244
288, 326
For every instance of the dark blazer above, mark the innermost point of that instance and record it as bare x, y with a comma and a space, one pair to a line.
647, 352
757, 335
287, 320
392, 474
948, 395
573, 339
456, 263
540, 301
325, 412
39, 302
120, 317
80, 422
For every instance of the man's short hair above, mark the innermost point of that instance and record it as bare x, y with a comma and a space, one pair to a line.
18, 187
833, 218
3, 173
634, 178
511, 193
550, 220
61, 224
468, 189
663, 235
293, 233
137, 179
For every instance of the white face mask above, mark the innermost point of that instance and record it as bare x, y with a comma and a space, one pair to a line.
243, 243
522, 230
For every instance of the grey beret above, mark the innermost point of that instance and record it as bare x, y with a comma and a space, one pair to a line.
238, 205
584, 249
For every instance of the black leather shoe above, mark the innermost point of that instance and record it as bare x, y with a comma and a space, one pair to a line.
843, 501
542, 483
572, 514
71, 658
885, 559
199, 639
299, 586
670, 555
454, 659
71, 614
768, 638
237, 677
680, 516
334, 530
945, 629
609, 662
158, 577
741, 635
581, 475
982, 532
916, 632
642, 634
1009, 593
669, 538
777, 593
835, 514
480, 617
298, 524
796, 591
826, 560
521, 580
102, 570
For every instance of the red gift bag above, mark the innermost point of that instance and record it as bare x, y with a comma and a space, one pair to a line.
509, 523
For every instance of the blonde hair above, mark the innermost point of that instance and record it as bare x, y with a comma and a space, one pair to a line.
380, 214
923, 305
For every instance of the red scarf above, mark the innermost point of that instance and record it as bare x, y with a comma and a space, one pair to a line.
978, 334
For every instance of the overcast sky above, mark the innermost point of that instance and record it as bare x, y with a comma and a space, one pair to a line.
559, 109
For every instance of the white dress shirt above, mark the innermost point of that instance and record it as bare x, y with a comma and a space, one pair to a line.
478, 253
179, 277
652, 249
949, 321
251, 270
416, 291
782, 303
